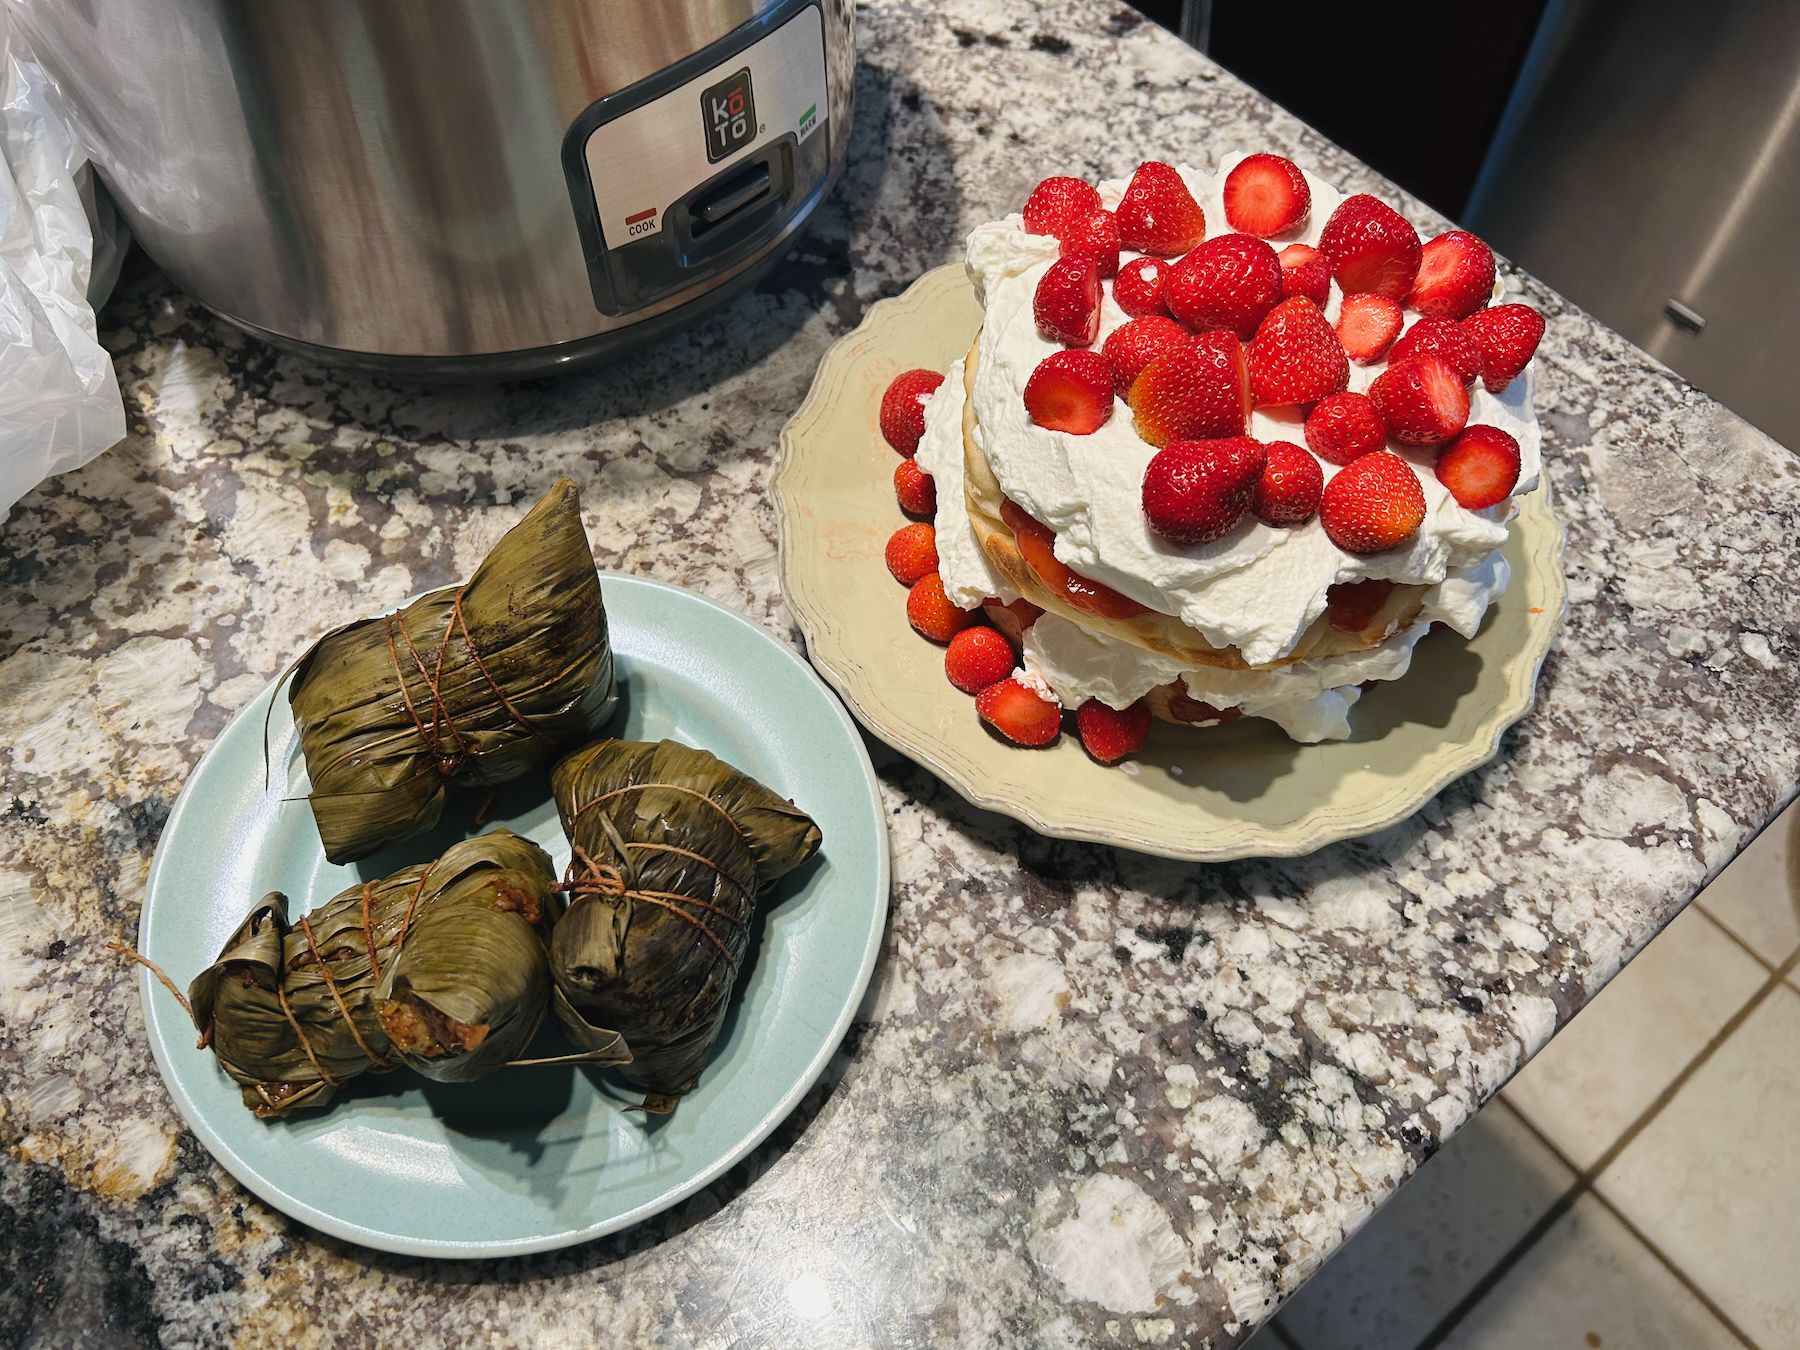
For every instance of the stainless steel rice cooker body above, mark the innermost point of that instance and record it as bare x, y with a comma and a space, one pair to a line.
457, 186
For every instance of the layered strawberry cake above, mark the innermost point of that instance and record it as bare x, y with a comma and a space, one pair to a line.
1226, 445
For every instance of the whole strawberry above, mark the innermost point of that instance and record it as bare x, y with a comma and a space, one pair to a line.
1157, 214
912, 553
1059, 204
976, 658
1110, 734
1095, 237
1508, 336
1198, 491
1305, 271
1456, 276
1372, 505
903, 409
1196, 391
1230, 281
931, 612
1372, 248
1422, 401
1139, 287
1066, 303
1296, 356
1135, 343
1070, 391
1289, 489
1445, 339
914, 489
1345, 427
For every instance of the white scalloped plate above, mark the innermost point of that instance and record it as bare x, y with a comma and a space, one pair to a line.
1238, 791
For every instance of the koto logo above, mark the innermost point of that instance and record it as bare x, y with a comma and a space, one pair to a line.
728, 110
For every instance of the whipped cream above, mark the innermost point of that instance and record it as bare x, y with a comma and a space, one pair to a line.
1260, 587
967, 575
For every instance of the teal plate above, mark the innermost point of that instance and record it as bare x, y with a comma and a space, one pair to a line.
536, 1158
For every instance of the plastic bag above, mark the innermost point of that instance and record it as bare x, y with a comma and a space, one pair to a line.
59, 397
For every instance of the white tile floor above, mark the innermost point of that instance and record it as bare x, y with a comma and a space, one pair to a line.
1637, 1185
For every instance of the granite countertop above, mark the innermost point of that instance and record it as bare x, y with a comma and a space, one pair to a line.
1093, 1098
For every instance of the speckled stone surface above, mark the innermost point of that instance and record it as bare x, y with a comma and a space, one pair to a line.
1094, 1098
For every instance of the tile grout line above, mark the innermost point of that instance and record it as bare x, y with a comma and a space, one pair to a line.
1728, 931
1584, 1185
1584, 1178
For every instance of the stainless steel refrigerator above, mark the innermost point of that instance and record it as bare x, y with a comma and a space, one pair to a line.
1648, 166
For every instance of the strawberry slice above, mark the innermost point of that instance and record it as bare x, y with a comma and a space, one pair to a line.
1456, 276
1480, 467
1372, 505
1266, 195
1295, 356
1305, 271
1230, 281
976, 658
1096, 237
1037, 545
1019, 713
1066, 303
1345, 427
1198, 491
1135, 343
1352, 605
1422, 401
1059, 204
1139, 287
1070, 391
1445, 339
1196, 392
1508, 336
1372, 248
1157, 214
1110, 734
903, 409
1288, 492
1367, 326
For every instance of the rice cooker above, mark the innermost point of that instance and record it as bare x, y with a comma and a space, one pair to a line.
457, 187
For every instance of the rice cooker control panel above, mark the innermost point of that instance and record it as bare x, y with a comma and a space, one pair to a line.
685, 174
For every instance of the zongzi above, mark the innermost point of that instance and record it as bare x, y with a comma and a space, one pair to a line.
671, 847
471, 685
442, 967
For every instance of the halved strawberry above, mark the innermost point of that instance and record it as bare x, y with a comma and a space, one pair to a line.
1066, 303
931, 612
1139, 287
1070, 391
1445, 339
976, 658
1288, 492
1374, 504
1157, 214
912, 553
1266, 195
1351, 606
1196, 392
1058, 204
1192, 712
1019, 713
1305, 271
1508, 336
914, 489
1345, 427
903, 409
1095, 237
1110, 734
1296, 357
1014, 619
1372, 248
1198, 491
1456, 276
1480, 467
1037, 546
1135, 343
1367, 326
1230, 281
1422, 401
